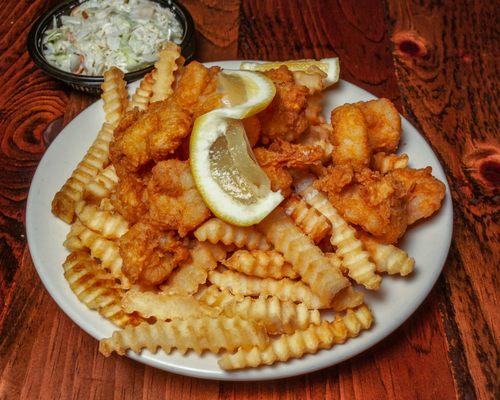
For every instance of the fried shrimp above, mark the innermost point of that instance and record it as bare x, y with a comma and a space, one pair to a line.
285, 117
282, 155
384, 124
425, 193
150, 254
128, 198
350, 137
174, 201
376, 203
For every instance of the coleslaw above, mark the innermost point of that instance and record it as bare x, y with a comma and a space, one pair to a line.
99, 34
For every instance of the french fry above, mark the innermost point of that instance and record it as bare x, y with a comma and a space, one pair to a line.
96, 288
260, 263
284, 289
216, 231
165, 307
101, 185
189, 276
114, 95
388, 258
106, 223
73, 242
105, 250
142, 95
198, 334
310, 221
307, 341
384, 163
350, 249
347, 298
307, 259
275, 315
63, 204
165, 69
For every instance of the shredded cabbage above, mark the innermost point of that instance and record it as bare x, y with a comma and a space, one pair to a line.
99, 34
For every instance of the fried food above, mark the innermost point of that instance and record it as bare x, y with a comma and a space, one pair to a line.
145, 249
284, 289
285, 117
347, 298
253, 129
260, 263
129, 148
275, 315
299, 250
150, 254
174, 201
165, 69
114, 95
384, 124
319, 136
281, 156
63, 204
424, 192
384, 163
129, 197
307, 218
142, 96
194, 84
354, 258
193, 273
101, 185
96, 288
225, 333
308, 341
350, 137
387, 257
373, 201
108, 224
173, 125
217, 231
165, 307
103, 249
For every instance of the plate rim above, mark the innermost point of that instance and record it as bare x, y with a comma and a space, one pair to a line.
259, 374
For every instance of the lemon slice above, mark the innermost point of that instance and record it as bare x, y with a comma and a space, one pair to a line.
226, 174
330, 66
245, 93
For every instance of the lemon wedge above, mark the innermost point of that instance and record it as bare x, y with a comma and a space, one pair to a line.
330, 66
224, 169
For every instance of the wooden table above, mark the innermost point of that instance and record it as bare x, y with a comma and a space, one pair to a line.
436, 59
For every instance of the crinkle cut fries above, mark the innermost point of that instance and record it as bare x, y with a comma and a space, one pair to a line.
256, 293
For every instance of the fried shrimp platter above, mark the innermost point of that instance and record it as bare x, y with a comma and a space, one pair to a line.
151, 254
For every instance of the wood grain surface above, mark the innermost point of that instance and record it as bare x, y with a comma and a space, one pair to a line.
438, 60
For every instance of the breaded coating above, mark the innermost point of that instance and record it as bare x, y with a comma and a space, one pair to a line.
350, 137
128, 198
149, 254
173, 125
129, 147
285, 117
194, 81
253, 129
282, 155
425, 193
384, 124
174, 201
376, 203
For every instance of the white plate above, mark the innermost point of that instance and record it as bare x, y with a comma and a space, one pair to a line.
397, 299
